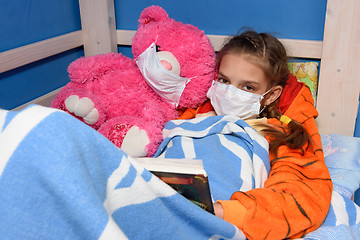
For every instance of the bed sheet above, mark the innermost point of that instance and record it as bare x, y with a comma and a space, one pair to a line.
342, 157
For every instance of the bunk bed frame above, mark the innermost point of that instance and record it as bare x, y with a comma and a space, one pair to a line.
339, 52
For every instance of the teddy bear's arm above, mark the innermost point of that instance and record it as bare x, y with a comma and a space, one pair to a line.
91, 68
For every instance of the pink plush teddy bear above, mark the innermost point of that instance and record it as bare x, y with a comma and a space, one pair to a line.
130, 100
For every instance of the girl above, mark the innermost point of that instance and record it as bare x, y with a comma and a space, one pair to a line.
253, 82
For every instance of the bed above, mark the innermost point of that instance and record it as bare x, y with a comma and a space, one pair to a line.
337, 104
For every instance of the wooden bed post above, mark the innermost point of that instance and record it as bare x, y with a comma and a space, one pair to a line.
339, 85
98, 26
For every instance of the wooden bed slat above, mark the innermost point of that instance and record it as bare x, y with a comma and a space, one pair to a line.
30, 53
98, 26
296, 48
303, 48
20, 56
124, 37
339, 85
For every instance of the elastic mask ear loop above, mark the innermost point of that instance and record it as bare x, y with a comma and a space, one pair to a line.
189, 79
262, 109
200, 76
262, 97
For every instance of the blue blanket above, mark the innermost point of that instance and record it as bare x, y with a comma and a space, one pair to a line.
60, 179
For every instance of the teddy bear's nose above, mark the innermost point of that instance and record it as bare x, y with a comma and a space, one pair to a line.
169, 61
166, 64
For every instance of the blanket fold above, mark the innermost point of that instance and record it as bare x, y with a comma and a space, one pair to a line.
234, 155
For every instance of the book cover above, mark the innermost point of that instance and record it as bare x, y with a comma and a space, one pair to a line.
187, 176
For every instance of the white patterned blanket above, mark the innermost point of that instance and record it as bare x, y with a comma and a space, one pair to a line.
234, 155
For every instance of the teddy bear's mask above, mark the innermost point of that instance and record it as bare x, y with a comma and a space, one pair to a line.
167, 84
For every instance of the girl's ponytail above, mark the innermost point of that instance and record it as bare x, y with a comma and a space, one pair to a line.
290, 133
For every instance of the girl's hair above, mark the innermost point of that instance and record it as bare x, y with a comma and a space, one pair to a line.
267, 52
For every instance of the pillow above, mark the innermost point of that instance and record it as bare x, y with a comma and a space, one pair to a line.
306, 72
342, 157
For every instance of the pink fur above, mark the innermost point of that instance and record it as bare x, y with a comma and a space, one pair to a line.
119, 92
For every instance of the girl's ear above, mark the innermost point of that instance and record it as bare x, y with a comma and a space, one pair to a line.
273, 95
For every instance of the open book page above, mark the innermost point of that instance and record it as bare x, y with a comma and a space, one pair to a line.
187, 176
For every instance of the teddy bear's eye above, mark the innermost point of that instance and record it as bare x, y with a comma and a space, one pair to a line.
157, 48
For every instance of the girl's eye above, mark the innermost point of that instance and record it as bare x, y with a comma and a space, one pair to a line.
157, 48
249, 88
222, 80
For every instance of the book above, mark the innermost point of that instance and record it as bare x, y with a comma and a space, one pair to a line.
187, 176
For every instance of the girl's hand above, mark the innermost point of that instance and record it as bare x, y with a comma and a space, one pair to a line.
218, 210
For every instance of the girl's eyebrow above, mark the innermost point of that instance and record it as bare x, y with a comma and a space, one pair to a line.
222, 75
246, 82
252, 83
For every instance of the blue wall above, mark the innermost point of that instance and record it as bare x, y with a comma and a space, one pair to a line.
302, 19
27, 21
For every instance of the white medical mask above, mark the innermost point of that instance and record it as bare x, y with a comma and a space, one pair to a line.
164, 82
226, 99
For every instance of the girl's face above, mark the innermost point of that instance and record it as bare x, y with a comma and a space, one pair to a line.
241, 73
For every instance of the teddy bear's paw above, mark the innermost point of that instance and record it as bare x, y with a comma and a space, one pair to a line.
82, 107
135, 141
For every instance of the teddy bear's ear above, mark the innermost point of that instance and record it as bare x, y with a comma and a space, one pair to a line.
152, 14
